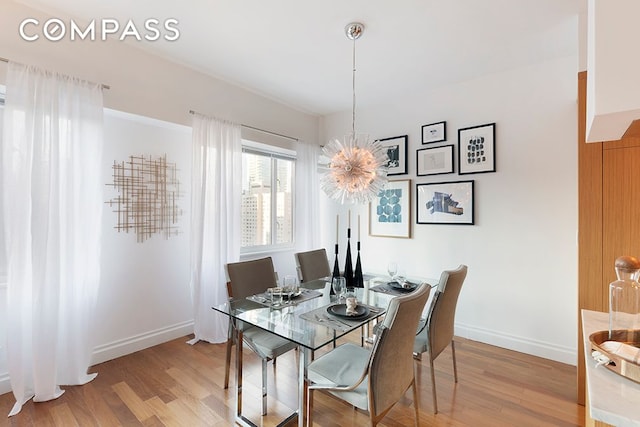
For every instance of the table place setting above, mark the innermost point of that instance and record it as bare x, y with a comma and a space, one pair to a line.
279, 297
343, 316
399, 286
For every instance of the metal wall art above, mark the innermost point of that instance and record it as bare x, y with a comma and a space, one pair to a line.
148, 194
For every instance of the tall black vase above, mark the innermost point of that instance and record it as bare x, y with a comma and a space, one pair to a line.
348, 267
336, 270
358, 279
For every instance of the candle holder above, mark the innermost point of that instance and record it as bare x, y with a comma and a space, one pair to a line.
348, 267
358, 278
336, 270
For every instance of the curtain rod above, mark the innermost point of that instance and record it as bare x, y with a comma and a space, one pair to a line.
104, 86
262, 130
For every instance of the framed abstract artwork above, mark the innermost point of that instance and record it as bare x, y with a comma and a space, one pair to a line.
390, 211
445, 203
397, 151
477, 149
434, 161
435, 132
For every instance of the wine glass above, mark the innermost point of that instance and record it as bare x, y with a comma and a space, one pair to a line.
290, 287
339, 284
392, 269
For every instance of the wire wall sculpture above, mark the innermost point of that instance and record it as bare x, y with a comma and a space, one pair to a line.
147, 202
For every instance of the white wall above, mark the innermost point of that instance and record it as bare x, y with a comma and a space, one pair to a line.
145, 84
144, 296
521, 289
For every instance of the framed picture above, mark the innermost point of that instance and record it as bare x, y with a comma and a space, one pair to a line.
435, 132
434, 161
445, 203
390, 211
397, 152
477, 149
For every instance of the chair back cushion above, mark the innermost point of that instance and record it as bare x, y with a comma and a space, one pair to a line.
391, 369
251, 277
312, 265
443, 311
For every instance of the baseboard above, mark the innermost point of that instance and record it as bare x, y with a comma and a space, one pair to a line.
524, 345
115, 349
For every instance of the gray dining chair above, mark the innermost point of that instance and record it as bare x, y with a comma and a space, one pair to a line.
312, 265
436, 332
245, 279
374, 380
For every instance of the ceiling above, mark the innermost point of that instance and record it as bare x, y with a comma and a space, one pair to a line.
296, 52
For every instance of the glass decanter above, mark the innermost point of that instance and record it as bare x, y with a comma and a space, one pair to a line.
624, 300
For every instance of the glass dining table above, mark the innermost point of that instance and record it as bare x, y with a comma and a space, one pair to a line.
312, 321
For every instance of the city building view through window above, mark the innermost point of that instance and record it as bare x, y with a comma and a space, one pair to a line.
267, 200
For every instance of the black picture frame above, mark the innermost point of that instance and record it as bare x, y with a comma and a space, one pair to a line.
434, 132
434, 160
477, 149
397, 151
445, 203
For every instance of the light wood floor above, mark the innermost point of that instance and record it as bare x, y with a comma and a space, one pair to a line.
175, 384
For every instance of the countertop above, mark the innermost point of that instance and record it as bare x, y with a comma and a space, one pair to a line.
613, 399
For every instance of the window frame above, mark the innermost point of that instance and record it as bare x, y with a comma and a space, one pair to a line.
274, 154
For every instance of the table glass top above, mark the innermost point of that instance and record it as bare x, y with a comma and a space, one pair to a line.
307, 322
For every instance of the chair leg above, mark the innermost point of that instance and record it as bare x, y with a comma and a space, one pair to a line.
416, 404
433, 385
227, 363
264, 386
455, 368
309, 407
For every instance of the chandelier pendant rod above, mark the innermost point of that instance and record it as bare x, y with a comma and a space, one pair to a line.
353, 86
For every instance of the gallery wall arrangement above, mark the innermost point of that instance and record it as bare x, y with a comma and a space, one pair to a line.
447, 202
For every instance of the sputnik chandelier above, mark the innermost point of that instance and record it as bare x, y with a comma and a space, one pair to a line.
357, 168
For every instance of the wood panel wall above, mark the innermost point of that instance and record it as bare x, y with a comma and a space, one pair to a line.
608, 216
590, 292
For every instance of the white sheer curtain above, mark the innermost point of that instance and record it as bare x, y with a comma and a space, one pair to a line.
307, 196
216, 194
52, 149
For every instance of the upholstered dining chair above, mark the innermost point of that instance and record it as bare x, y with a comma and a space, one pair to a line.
436, 332
249, 278
312, 265
374, 380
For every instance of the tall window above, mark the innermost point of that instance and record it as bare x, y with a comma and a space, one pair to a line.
267, 199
